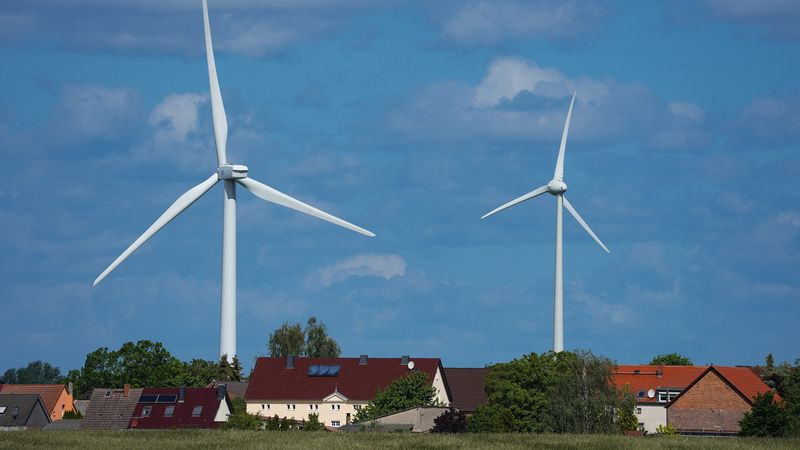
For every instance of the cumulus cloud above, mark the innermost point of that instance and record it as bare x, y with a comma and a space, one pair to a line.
769, 119
491, 21
519, 99
386, 266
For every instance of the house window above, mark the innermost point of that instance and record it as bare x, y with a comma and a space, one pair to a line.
108, 393
146, 411
357, 407
293, 406
2, 409
335, 423
641, 426
640, 394
168, 412
638, 410
313, 406
197, 410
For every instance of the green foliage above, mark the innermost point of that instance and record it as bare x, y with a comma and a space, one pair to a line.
666, 430
313, 423
312, 341
491, 418
238, 405
243, 421
228, 370
75, 414
196, 373
36, 372
671, 359
766, 419
450, 421
409, 391
626, 420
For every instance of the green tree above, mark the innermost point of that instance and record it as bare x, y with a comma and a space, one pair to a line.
767, 418
196, 373
36, 372
671, 359
318, 343
583, 398
243, 421
313, 423
491, 418
228, 370
414, 389
239, 405
287, 340
450, 421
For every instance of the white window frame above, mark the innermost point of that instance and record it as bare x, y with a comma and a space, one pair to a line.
146, 410
169, 411
336, 423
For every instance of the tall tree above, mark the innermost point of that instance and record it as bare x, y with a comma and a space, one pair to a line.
671, 359
767, 418
414, 389
287, 340
318, 343
228, 370
312, 341
36, 372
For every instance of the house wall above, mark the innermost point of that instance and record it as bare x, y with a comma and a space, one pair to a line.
334, 410
222, 412
38, 417
438, 383
421, 418
652, 416
710, 406
65, 403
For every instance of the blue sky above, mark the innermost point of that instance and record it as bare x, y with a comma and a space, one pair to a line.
411, 119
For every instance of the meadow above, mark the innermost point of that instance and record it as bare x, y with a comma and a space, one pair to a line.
200, 439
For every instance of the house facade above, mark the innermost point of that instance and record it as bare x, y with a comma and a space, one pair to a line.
653, 387
333, 388
715, 402
57, 400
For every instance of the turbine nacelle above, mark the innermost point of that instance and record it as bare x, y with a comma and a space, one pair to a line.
556, 187
232, 172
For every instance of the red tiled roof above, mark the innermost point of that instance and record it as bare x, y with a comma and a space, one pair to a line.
48, 392
182, 413
742, 379
467, 386
645, 377
271, 380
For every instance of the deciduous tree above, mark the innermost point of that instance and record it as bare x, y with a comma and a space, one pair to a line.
36, 372
414, 389
671, 359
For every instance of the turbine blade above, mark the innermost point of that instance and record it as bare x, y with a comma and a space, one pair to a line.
217, 108
577, 217
274, 196
559, 173
534, 193
183, 202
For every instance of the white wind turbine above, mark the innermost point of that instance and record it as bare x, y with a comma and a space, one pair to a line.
231, 175
557, 188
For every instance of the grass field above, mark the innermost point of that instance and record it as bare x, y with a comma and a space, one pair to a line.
163, 440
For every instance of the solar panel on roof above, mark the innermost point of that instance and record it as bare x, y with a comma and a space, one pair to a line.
313, 370
323, 371
163, 398
148, 398
334, 370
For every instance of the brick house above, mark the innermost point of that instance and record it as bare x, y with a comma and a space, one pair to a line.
334, 388
715, 402
56, 399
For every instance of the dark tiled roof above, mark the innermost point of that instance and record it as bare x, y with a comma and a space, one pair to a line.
182, 412
271, 380
49, 393
109, 409
235, 388
25, 404
467, 386
645, 377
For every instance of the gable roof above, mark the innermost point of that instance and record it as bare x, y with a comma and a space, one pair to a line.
50, 393
467, 386
271, 380
742, 379
110, 409
26, 404
202, 400
645, 377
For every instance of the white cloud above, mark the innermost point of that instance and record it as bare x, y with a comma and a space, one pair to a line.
491, 21
93, 111
176, 116
385, 266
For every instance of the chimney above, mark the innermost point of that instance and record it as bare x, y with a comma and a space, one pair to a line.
126, 389
660, 371
222, 390
404, 360
69, 388
181, 394
362, 360
290, 362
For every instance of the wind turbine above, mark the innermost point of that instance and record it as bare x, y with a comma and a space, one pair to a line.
557, 188
231, 175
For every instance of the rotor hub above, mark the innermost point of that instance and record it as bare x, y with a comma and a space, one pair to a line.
232, 172
556, 187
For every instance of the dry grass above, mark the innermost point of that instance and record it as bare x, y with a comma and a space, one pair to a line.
200, 439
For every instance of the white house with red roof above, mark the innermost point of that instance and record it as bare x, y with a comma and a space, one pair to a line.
334, 388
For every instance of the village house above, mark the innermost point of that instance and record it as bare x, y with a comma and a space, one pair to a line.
110, 409
22, 411
334, 388
467, 386
172, 408
715, 402
56, 398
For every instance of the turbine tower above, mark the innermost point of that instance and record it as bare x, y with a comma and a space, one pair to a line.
557, 188
231, 175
